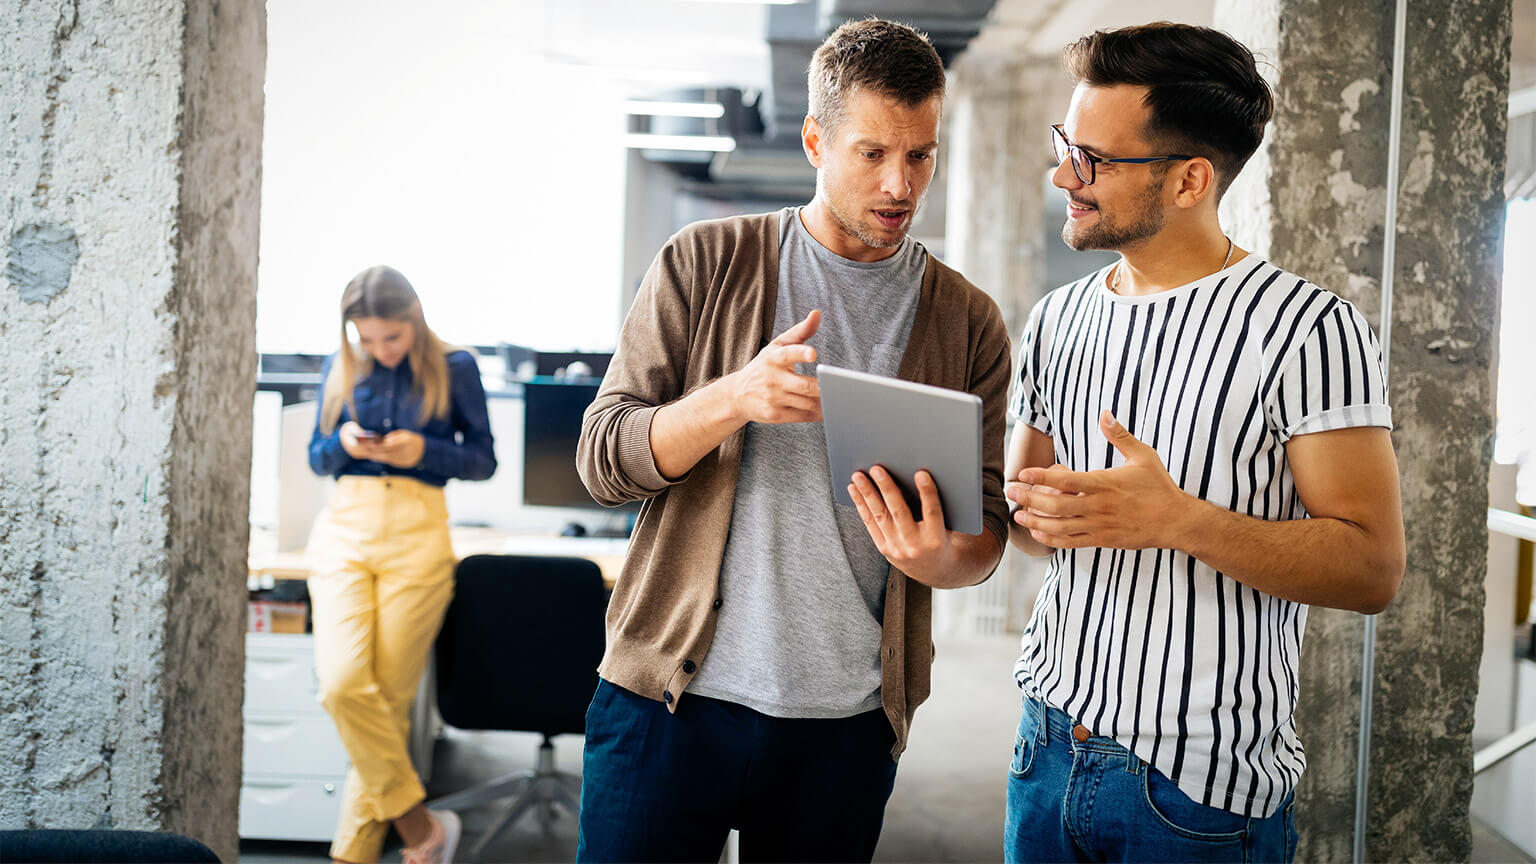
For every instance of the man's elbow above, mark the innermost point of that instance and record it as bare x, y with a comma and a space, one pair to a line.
601, 485
608, 499
1383, 580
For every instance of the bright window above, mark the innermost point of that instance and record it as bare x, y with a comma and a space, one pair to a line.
439, 139
1516, 431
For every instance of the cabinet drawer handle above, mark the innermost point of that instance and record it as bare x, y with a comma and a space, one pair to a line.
272, 668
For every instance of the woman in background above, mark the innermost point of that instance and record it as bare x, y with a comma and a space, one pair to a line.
400, 414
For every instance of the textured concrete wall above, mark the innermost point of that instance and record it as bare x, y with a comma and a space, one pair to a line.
214, 301
1314, 202
131, 145
997, 153
999, 106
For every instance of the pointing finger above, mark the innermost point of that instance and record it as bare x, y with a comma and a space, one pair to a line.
801, 331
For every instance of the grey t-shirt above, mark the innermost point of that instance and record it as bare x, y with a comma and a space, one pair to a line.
802, 585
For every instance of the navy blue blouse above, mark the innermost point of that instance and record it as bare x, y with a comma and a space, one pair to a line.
456, 446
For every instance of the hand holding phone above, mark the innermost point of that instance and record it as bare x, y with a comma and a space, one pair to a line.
357, 441
401, 448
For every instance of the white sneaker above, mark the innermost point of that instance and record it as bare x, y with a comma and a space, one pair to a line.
440, 846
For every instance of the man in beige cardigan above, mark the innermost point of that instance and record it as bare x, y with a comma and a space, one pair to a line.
767, 647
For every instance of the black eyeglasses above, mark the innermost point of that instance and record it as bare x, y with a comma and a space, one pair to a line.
1084, 164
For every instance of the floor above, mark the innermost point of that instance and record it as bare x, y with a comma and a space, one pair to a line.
1488, 847
947, 805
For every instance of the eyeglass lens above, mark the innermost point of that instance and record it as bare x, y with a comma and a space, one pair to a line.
1082, 166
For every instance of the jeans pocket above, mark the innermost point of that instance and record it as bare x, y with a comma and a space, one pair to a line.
1187, 818
593, 731
1023, 756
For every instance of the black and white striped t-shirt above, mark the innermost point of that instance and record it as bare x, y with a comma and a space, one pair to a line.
1190, 670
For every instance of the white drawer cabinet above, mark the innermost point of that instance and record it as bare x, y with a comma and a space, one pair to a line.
303, 745
294, 764
289, 809
281, 677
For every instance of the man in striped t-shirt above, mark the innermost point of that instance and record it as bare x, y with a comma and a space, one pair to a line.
1203, 451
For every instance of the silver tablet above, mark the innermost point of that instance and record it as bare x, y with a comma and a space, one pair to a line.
904, 427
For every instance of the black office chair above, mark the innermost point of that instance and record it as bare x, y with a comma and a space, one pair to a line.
54, 846
519, 651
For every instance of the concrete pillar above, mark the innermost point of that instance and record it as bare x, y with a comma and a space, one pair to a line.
1313, 201
128, 234
998, 106
996, 152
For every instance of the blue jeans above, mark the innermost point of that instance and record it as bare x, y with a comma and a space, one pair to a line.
1096, 801
658, 786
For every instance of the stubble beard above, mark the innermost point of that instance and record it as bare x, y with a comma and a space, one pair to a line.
860, 231
1147, 220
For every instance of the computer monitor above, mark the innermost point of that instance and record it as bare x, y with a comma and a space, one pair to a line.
551, 428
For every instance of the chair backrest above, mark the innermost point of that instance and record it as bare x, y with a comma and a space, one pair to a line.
520, 644
56, 846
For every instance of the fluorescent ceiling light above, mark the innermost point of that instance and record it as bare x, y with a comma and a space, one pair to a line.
705, 110
706, 143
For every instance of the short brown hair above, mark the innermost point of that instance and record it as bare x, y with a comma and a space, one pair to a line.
883, 57
1205, 96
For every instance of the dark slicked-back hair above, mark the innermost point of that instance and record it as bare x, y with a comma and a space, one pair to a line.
1205, 95
882, 57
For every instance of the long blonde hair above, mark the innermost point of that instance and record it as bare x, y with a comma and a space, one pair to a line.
383, 292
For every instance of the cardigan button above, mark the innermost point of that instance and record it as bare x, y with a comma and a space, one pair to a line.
716, 605
666, 696
688, 667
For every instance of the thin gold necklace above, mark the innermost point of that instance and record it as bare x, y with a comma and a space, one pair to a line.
1114, 286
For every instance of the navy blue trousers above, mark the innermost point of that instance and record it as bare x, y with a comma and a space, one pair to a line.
658, 786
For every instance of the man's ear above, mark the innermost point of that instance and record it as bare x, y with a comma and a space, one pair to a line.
1196, 182
810, 139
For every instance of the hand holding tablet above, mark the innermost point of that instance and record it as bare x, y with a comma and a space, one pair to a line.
904, 427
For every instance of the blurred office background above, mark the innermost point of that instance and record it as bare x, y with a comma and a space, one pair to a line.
521, 161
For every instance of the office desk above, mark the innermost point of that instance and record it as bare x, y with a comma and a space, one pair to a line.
294, 764
606, 552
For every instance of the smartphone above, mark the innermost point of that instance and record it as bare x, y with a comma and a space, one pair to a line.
368, 435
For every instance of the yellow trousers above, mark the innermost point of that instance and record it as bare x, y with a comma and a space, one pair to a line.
382, 577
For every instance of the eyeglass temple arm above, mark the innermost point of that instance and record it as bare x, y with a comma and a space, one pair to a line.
1140, 160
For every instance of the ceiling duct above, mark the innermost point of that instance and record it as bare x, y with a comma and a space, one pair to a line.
751, 147
794, 32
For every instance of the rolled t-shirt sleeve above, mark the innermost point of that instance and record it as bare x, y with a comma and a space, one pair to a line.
1334, 380
1026, 404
